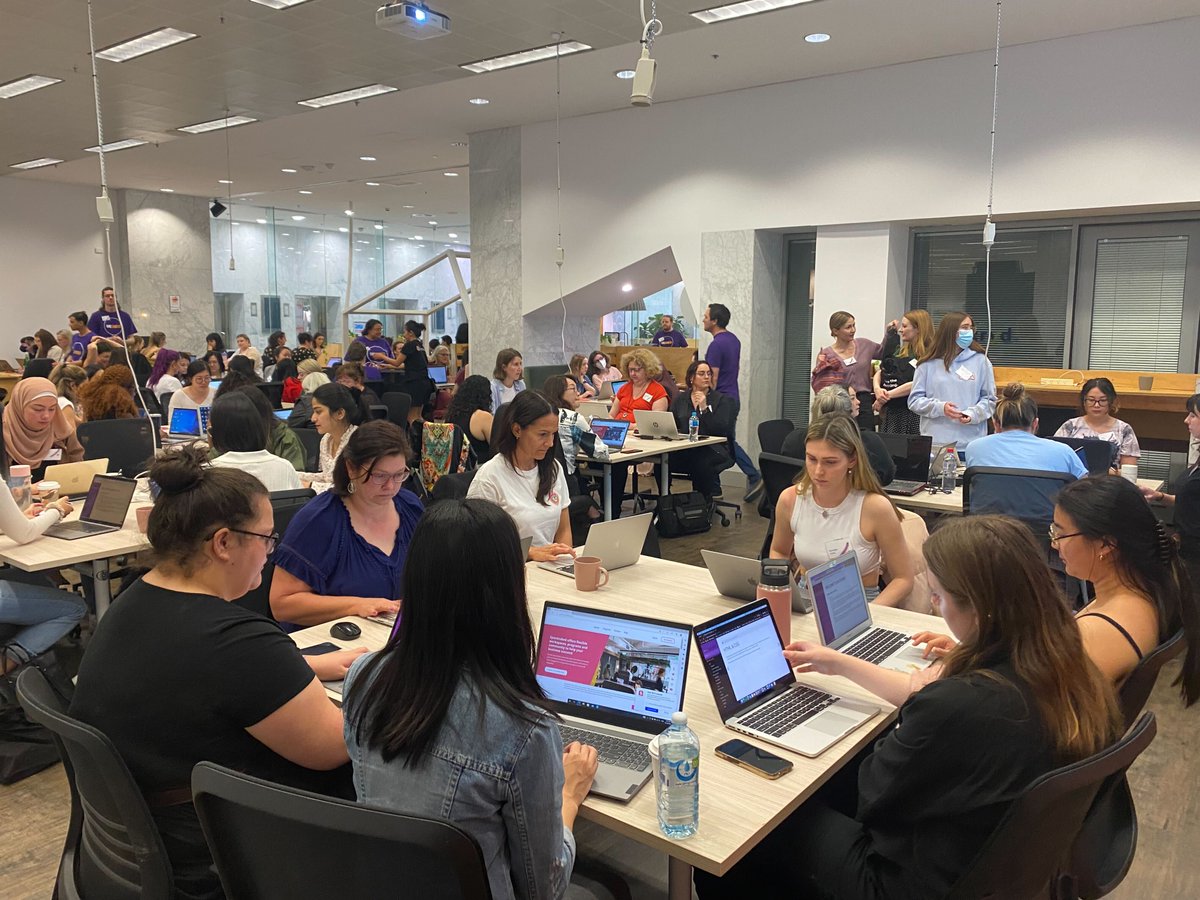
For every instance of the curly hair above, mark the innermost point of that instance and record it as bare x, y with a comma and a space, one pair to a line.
109, 395
645, 359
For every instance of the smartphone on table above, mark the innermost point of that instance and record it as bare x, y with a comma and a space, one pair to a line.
757, 760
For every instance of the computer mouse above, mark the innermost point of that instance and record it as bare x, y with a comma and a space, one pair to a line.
345, 631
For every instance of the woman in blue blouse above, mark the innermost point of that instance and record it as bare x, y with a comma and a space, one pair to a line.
344, 552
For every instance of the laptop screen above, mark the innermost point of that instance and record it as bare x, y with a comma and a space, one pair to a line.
282, 414
743, 657
185, 421
910, 453
611, 667
617, 385
438, 374
108, 500
611, 431
838, 598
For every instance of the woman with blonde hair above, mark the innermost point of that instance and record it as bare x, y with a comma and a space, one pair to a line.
640, 391
837, 506
904, 345
68, 379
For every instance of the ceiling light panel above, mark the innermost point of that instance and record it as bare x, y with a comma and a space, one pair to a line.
279, 4
11, 89
217, 124
36, 163
145, 43
114, 146
360, 93
524, 57
746, 8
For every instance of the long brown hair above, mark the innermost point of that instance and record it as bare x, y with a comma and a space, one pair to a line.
992, 565
945, 346
109, 395
842, 432
919, 346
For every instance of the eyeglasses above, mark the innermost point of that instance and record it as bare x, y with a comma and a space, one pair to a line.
1055, 537
1096, 401
382, 478
271, 539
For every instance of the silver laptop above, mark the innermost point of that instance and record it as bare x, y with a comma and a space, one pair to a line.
594, 408
737, 577
615, 679
188, 424
618, 544
652, 424
104, 510
75, 479
757, 692
844, 618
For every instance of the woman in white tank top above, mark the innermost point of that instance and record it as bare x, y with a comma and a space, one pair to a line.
838, 506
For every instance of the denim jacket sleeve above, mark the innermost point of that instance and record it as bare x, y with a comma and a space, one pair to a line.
542, 850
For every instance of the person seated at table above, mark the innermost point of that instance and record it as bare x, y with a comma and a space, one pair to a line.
197, 391
36, 429
68, 379
304, 349
138, 364
168, 366
301, 414
239, 437
248, 351
836, 506
286, 373
109, 394
599, 370
574, 435
1184, 495
175, 673
1098, 399
506, 377
525, 479
337, 412
344, 551
276, 341
470, 411
352, 375
576, 369
641, 368
837, 398
1015, 444
281, 441
717, 414
448, 720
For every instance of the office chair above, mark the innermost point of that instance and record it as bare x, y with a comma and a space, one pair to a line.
127, 443
284, 505
274, 392
398, 404
1136, 689
164, 402
310, 440
771, 434
779, 473
378, 411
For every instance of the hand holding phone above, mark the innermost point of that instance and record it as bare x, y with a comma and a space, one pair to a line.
759, 761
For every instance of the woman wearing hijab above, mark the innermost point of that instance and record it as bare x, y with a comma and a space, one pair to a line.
36, 429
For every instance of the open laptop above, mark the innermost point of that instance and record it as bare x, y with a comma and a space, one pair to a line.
757, 692
6, 366
282, 414
1094, 453
618, 544
612, 432
104, 510
844, 618
653, 424
437, 373
594, 409
615, 679
75, 479
188, 424
737, 577
910, 453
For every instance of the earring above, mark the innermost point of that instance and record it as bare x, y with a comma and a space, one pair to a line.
850, 471
351, 487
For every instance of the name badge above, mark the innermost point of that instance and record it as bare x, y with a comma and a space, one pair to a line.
646, 396
54, 454
913, 363
836, 548
964, 373
849, 362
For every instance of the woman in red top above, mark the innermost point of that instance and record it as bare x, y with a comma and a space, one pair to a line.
640, 367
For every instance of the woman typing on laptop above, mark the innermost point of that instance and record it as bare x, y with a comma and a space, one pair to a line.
1014, 700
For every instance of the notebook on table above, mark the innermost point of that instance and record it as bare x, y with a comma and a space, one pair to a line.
75, 479
910, 453
618, 544
756, 690
104, 510
1095, 454
437, 373
615, 679
188, 424
594, 409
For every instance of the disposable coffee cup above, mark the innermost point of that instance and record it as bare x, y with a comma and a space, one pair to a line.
143, 517
48, 491
1129, 472
589, 574
1145, 382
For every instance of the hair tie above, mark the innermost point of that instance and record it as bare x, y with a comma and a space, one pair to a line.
1166, 546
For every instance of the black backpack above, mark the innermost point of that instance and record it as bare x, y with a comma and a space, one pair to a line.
680, 514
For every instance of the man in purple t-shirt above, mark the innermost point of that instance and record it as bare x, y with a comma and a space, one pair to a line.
667, 336
724, 357
108, 320
81, 337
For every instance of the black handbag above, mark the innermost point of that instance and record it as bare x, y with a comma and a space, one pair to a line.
26, 747
680, 514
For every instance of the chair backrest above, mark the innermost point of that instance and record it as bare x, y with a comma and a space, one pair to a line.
1137, 687
164, 403
771, 434
778, 473
285, 505
916, 533
113, 849
274, 392
1031, 843
398, 404
272, 842
1025, 494
453, 486
128, 443
443, 451
378, 411
310, 440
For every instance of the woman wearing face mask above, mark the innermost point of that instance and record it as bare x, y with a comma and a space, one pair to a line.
600, 370
954, 390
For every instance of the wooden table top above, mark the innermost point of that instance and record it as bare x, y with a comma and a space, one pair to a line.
53, 553
639, 449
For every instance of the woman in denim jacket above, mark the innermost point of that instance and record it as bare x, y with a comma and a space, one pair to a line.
448, 720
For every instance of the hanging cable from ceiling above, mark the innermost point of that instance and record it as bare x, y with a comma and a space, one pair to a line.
559, 253
229, 191
989, 227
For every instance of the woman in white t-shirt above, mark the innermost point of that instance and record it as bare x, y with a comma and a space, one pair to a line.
525, 479
197, 390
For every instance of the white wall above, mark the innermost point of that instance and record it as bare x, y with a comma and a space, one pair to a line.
49, 260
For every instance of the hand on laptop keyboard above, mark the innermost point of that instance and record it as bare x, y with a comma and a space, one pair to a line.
551, 552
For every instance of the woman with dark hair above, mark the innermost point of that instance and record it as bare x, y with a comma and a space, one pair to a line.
560, 390
1185, 496
1015, 699
321, 348
215, 343
168, 366
344, 552
470, 412
378, 350
46, 345
108, 395
954, 390
215, 361
239, 437
600, 370
281, 441
196, 392
856, 355
211, 679
506, 377
448, 720
525, 479
1015, 444
717, 417
415, 365
1098, 399
286, 372
337, 412
354, 376
276, 341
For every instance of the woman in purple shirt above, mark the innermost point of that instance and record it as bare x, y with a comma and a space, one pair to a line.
379, 349
856, 354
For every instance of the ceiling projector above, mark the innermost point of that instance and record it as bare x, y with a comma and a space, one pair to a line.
414, 20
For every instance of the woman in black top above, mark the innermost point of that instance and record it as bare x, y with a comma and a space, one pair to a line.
176, 673
415, 364
904, 345
1016, 698
1185, 495
275, 342
470, 411
717, 417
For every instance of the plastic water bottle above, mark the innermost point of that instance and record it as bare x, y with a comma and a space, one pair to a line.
20, 483
694, 426
949, 469
679, 779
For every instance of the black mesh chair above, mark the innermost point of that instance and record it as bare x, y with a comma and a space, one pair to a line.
276, 843
164, 402
778, 473
113, 850
771, 434
285, 505
379, 411
1025, 855
398, 404
127, 443
310, 440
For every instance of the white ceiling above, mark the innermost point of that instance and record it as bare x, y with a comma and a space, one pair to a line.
259, 62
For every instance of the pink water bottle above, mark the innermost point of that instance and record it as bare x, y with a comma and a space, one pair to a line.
774, 586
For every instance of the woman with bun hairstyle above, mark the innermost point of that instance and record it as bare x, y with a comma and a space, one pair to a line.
1098, 399
904, 345
1015, 444
175, 673
954, 390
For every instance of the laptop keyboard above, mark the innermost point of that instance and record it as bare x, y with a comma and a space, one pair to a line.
878, 644
81, 528
899, 486
613, 750
781, 716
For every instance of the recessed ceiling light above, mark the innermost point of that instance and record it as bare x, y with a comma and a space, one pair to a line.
261, 221
217, 124
224, 181
818, 37
237, 223
452, 235
288, 171
158, 39
361, 241
316, 231
114, 146
407, 206
372, 183
360, 93
624, 74
479, 101
279, 4
166, 190
285, 234
458, 143
627, 287
450, 174
420, 246
367, 158
524, 57
348, 212
36, 163
431, 222
344, 230
297, 218
378, 227
290, 248
306, 193
358, 249
745, 8
11, 89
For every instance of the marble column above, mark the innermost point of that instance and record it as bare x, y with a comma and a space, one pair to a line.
546, 334
496, 309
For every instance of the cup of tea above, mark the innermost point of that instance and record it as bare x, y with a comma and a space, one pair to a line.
47, 491
143, 517
589, 574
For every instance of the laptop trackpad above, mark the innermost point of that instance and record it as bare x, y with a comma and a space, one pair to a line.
832, 723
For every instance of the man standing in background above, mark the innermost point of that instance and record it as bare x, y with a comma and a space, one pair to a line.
667, 336
724, 358
108, 321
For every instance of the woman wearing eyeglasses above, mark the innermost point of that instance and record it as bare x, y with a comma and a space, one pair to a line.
343, 553
1098, 398
175, 673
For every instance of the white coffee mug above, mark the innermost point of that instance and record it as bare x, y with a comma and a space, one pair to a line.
1129, 472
